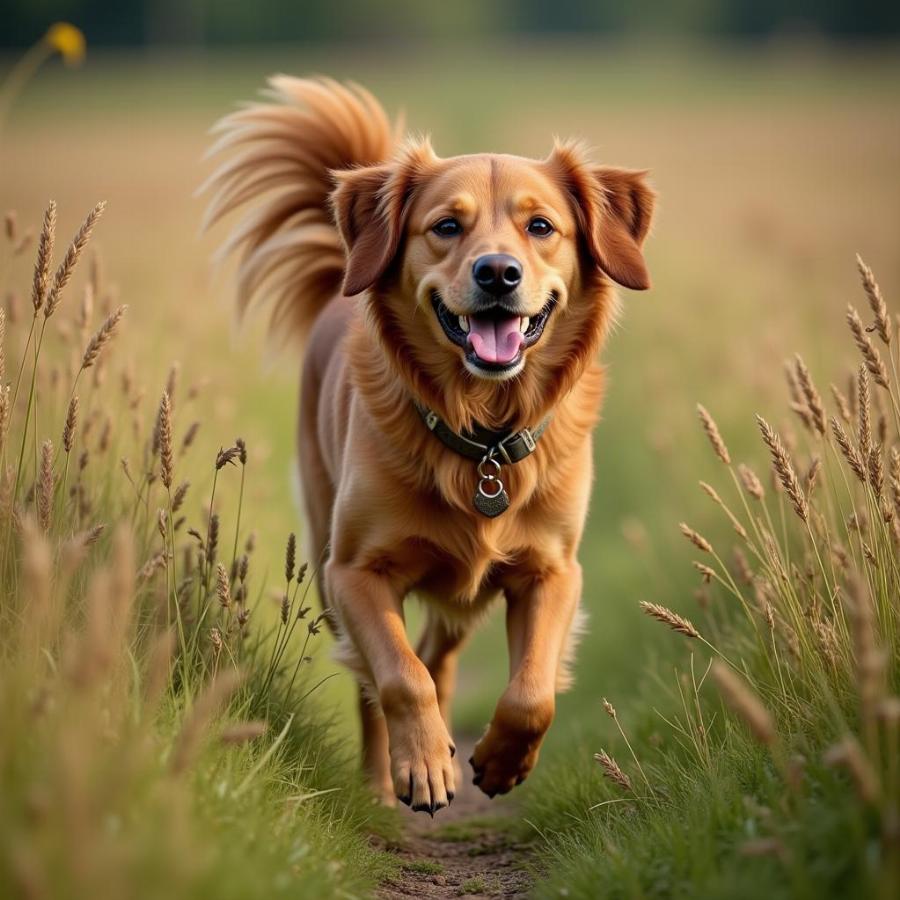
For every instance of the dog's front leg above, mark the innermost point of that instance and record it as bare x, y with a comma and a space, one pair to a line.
540, 611
421, 749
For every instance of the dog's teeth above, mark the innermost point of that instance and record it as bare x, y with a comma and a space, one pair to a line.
464, 323
524, 322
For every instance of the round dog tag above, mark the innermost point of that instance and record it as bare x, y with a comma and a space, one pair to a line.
490, 497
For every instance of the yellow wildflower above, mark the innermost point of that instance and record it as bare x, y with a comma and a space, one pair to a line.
68, 41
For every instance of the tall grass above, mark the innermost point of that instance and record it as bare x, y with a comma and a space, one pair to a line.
773, 766
159, 733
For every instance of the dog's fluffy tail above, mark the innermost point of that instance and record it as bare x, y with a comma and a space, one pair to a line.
280, 157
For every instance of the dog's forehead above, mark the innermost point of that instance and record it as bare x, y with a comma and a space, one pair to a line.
490, 178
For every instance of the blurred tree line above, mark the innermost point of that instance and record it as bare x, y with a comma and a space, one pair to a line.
223, 22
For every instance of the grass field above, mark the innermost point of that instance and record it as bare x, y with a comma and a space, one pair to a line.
773, 169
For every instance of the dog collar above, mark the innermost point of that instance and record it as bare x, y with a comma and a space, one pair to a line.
490, 449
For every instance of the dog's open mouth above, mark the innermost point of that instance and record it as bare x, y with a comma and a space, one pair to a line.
494, 338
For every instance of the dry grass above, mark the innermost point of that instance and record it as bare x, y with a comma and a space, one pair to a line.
818, 647
124, 649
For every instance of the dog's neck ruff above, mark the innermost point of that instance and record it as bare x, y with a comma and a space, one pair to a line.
490, 449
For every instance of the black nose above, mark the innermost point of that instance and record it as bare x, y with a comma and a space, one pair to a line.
497, 273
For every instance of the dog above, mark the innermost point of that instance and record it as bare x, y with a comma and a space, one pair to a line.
451, 312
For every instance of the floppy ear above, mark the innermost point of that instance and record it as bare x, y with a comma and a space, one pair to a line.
614, 208
371, 205
369, 223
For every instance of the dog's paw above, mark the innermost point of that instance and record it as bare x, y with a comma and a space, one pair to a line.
422, 766
509, 749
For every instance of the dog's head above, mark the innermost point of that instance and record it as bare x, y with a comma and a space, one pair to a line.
492, 265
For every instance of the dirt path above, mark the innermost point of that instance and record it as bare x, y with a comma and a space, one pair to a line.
465, 851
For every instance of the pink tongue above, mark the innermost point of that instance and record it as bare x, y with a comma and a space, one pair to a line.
495, 341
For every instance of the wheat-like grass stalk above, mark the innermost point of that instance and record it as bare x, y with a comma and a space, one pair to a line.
179, 496
697, 539
70, 260
223, 588
672, 619
714, 435
876, 470
189, 436
864, 431
164, 432
69, 428
873, 361
750, 481
876, 301
290, 557
842, 403
851, 454
812, 396
44, 258
45, 486
102, 337
612, 771
784, 469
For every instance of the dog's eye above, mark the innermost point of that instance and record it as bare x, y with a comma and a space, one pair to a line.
448, 227
539, 227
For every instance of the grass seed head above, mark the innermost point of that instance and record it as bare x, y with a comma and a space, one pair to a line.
71, 424
179, 495
612, 771
750, 481
700, 542
164, 433
864, 412
102, 337
841, 402
290, 557
876, 301
70, 260
44, 258
223, 589
712, 432
45, 486
784, 469
873, 361
851, 454
672, 619
811, 395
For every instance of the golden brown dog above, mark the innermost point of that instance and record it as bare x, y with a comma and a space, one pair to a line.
452, 311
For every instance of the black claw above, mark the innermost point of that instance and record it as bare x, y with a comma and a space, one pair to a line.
423, 807
452, 751
520, 779
472, 761
450, 797
478, 777
491, 794
405, 800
